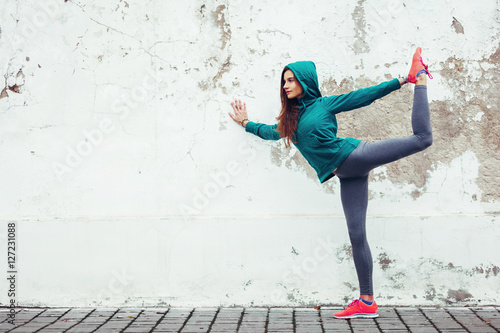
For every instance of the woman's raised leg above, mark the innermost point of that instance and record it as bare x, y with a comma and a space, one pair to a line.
370, 155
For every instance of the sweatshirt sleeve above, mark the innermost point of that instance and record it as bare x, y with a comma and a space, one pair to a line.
359, 98
266, 132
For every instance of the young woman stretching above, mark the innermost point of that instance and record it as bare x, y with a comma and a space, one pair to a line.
308, 121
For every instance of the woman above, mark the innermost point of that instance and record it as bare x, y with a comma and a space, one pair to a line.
308, 121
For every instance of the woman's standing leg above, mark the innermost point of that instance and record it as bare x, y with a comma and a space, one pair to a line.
353, 175
354, 195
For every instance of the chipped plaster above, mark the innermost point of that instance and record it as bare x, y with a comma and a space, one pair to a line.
130, 99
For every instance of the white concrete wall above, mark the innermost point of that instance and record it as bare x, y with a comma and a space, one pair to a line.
130, 185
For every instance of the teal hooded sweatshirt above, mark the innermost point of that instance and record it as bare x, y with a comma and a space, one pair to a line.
316, 133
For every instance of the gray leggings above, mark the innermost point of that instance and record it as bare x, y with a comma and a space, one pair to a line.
353, 175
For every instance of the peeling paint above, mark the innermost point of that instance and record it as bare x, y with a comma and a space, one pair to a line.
384, 261
246, 284
344, 253
294, 160
400, 278
351, 286
487, 271
452, 135
267, 31
382, 116
277, 155
298, 162
483, 138
223, 69
15, 88
358, 16
213, 82
459, 29
459, 295
220, 20
4, 93
430, 293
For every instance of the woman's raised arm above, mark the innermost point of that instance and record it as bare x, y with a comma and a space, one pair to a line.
361, 97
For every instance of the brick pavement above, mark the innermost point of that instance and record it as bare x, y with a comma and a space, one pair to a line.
249, 320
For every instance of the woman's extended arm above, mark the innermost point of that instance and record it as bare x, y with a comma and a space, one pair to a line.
361, 97
240, 112
263, 131
266, 132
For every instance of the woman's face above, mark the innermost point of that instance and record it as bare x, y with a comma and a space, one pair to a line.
292, 87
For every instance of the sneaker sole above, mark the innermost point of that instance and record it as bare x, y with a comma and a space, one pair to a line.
359, 315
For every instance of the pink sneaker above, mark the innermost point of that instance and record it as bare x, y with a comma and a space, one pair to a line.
417, 67
358, 309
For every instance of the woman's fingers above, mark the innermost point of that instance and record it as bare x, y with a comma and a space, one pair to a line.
233, 104
242, 107
240, 110
236, 112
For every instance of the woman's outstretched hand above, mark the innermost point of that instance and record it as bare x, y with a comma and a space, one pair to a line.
240, 112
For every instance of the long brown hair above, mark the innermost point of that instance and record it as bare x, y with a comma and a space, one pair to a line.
288, 117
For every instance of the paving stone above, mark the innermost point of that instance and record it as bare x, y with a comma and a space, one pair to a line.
415, 321
137, 329
478, 328
261, 324
308, 330
196, 327
387, 313
169, 326
277, 327
366, 329
83, 328
422, 329
494, 322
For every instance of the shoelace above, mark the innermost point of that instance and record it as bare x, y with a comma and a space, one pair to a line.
356, 301
426, 68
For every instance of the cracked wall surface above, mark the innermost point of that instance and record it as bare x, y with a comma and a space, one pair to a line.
119, 109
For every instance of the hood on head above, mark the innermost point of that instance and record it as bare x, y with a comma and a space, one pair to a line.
305, 72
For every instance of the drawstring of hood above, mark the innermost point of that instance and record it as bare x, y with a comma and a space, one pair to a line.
303, 106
